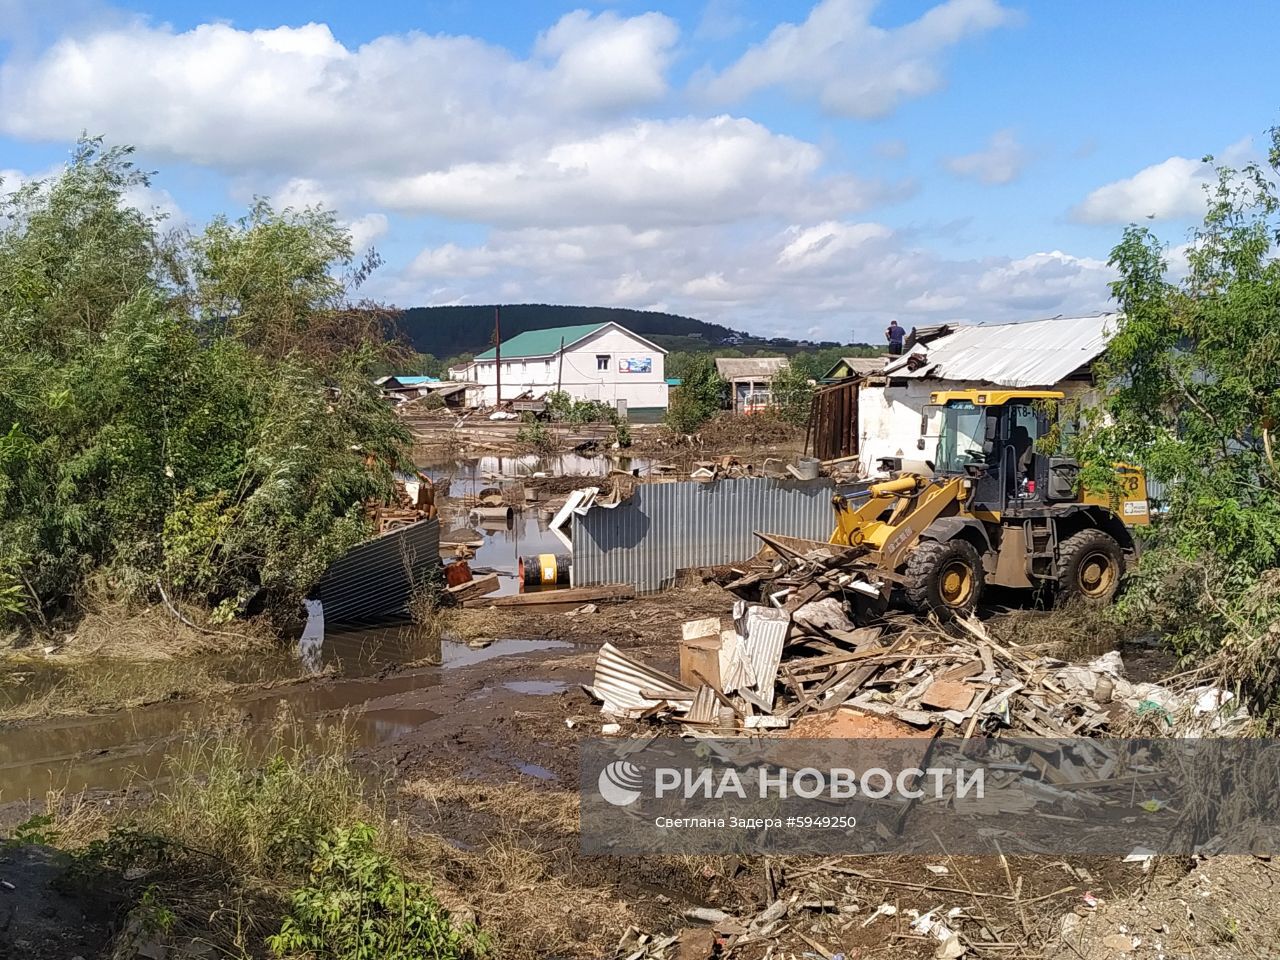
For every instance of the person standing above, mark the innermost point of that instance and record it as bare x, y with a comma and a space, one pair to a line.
895, 335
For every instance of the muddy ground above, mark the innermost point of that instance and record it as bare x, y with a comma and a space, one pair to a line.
482, 755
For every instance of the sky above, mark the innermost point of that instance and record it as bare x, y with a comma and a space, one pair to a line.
800, 169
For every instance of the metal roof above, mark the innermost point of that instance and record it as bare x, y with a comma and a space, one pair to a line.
857, 367
546, 343
1035, 353
753, 368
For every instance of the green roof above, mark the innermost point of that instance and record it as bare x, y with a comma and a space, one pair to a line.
542, 343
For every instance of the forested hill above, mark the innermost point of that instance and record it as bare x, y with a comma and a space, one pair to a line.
449, 331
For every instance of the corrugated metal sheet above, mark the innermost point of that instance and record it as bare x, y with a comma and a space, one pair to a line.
763, 631
1038, 353
377, 578
620, 683
665, 527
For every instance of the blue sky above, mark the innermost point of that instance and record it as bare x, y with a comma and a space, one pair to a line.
789, 168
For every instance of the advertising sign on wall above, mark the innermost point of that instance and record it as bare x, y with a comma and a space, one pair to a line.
636, 365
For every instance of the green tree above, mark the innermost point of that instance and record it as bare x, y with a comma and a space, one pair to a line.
698, 398
173, 409
792, 394
1194, 397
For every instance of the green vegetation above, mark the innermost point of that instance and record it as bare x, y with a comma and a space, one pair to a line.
253, 847
357, 905
186, 411
1194, 397
698, 398
793, 394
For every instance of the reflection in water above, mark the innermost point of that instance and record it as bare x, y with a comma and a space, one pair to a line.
504, 544
537, 688
311, 642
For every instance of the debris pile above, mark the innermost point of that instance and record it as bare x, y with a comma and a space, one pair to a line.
812, 672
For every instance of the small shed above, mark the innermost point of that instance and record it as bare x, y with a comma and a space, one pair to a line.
847, 368
750, 380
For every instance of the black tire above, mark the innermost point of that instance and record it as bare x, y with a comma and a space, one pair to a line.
1090, 565
931, 583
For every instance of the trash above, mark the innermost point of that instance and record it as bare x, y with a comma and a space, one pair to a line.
884, 910
1090, 900
937, 869
1141, 855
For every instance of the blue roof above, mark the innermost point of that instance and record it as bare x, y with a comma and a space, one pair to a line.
674, 381
414, 381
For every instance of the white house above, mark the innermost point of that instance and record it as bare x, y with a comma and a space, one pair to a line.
894, 417
596, 361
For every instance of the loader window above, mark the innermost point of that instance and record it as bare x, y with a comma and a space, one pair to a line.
961, 439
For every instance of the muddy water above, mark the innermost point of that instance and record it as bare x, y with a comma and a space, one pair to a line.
112, 751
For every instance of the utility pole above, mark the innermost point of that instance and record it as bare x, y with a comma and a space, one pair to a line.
560, 371
497, 352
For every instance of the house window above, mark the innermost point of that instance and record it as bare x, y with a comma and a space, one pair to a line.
602, 361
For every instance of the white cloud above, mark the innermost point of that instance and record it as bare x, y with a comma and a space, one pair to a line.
295, 99
606, 62
835, 276
365, 230
644, 174
999, 162
444, 125
851, 66
1171, 190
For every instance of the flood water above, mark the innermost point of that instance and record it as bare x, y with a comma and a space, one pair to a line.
528, 533
111, 750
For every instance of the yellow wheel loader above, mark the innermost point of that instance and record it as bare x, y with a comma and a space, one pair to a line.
998, 510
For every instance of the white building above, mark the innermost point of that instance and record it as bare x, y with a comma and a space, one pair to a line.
597, 361
891, 412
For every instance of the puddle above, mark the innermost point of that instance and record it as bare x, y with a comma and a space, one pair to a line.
533, 770
471, 476
461, 655
503, 544
537, 688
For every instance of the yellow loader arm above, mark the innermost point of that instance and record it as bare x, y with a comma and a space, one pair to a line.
916, 503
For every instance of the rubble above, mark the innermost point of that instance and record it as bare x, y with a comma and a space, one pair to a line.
799, 653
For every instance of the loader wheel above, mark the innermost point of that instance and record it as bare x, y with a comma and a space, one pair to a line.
945, 578
1090, 564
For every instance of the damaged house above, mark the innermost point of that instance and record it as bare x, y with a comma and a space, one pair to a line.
884, 418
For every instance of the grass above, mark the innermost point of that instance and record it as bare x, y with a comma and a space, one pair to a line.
228, 845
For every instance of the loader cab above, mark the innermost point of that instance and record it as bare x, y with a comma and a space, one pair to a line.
997, 438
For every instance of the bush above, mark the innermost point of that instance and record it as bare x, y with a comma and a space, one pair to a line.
357, 906
1193, 397
698, 398
535, 434
792, 395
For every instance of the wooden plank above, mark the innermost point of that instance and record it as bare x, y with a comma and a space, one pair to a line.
476, 587
608, 591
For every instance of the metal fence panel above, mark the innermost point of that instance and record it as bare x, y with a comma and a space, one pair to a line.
377, 578
665, 527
